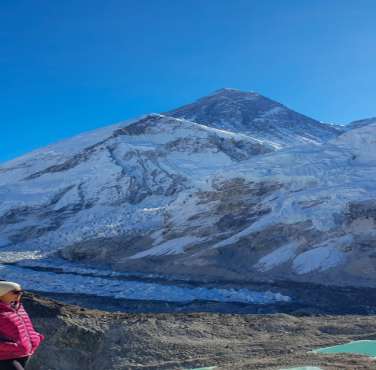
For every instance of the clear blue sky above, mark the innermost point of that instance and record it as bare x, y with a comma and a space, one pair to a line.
68, 66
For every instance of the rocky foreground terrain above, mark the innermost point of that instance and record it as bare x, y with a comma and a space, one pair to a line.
85, 339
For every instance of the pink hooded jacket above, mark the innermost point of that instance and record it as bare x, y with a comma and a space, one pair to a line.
18, 337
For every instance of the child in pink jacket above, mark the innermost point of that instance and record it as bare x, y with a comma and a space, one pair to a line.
18, 339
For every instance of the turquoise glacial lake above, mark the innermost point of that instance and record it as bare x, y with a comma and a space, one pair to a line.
360, 347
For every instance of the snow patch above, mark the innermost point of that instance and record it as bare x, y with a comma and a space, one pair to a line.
277, 257
173, 246
321, 259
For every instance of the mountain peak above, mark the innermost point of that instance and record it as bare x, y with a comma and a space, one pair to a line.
231, 92
256, 115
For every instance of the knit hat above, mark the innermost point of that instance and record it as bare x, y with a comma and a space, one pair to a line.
7, 286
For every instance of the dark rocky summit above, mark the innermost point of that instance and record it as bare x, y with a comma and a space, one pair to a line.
255, 115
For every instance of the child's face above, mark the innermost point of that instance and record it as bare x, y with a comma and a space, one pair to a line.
12, 296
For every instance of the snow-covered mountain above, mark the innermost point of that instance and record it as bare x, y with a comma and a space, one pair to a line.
306, 214
114, 181
165, 195
255, 115
360, 123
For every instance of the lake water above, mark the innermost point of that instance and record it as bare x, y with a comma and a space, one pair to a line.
361, 347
